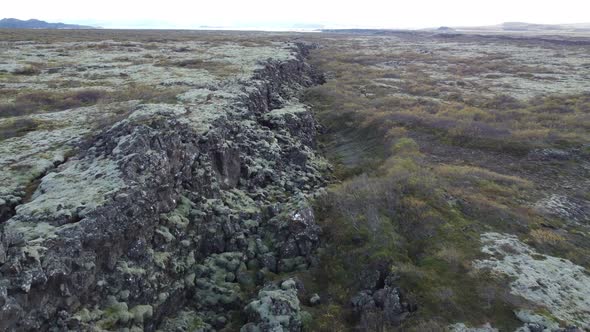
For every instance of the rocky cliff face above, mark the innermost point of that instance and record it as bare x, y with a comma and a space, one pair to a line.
169, 219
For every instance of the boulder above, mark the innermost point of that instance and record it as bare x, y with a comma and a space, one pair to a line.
275, 309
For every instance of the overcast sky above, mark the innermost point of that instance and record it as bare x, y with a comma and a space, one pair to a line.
268, 13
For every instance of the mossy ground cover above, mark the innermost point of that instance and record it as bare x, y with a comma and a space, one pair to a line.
412, 194
429, 139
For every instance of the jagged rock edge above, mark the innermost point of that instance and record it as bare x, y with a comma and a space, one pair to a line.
103, 236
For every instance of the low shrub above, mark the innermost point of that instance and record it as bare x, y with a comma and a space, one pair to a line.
545, 236
51, 101
18, 127
33, 102
28, 70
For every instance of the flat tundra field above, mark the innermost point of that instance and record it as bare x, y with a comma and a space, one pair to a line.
352, 180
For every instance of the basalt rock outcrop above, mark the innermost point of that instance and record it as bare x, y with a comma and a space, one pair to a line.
275, 309
172, 217
380, 305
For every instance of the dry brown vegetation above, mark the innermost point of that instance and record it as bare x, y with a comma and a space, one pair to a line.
500, 122
217, 68
33, 102
135, 37
28, 70
52, 101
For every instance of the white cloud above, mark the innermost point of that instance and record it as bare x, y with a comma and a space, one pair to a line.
370, 13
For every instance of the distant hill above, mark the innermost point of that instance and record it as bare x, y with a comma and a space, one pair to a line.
516, 28
530, 27
13, 23
520, 26
445, 30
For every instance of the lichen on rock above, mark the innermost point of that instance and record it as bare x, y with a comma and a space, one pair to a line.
551, 282
275, 309
167, 217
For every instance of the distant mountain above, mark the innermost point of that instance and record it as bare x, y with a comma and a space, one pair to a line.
13, 23
530, 27
445, 30
521, 26
517, 28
